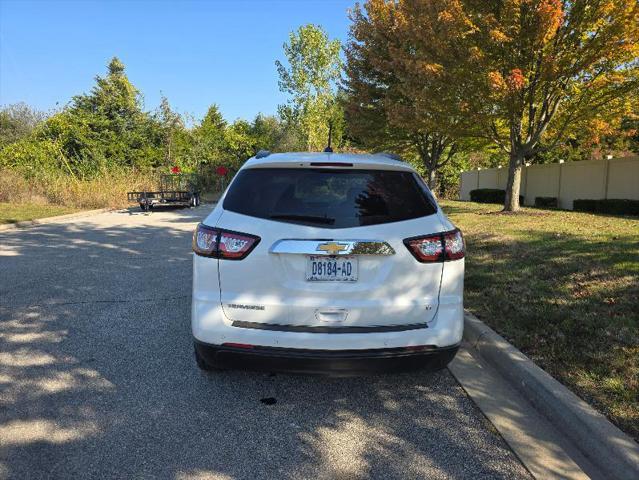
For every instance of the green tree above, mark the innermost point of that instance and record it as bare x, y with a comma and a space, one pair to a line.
314, 67
104, 128
17, 121
240, 143
171, 125
114, 96
99, 131
267, 132
209, 138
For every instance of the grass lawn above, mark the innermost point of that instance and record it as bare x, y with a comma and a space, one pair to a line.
18, 212
564, 288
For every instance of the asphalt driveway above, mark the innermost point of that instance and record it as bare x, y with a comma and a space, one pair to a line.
98, 380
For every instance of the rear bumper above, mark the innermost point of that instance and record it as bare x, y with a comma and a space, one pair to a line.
327, 362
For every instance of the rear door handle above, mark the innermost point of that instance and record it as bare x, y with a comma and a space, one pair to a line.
331, 315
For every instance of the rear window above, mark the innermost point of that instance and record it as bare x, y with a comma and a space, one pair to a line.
329, 198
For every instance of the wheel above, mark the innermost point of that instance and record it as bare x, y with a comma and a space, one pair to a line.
203, 365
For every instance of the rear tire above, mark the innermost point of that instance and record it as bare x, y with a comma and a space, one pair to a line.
203, 365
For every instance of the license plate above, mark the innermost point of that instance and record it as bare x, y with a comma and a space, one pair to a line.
331, 269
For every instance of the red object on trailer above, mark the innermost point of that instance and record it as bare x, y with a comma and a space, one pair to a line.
222, 171
175, 170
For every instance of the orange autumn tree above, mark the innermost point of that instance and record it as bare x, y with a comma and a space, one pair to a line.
520, 73
395, 96
549, 65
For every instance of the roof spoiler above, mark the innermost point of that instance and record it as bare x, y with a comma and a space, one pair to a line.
262, 154
392, 156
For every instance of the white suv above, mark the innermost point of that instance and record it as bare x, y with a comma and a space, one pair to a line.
327, 263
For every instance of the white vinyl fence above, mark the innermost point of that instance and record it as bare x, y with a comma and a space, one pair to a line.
590, 179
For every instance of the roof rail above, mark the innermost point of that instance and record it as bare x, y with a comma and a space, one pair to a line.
262, 154
392, 156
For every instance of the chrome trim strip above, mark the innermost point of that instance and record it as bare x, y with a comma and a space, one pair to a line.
332, 247
322, 329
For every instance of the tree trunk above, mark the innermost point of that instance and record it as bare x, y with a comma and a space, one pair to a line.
432, 178
511, 203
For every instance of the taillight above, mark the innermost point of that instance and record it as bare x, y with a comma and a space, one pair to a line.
440, 247
205, 240
225, 244
426, 249
454, 247
236, 246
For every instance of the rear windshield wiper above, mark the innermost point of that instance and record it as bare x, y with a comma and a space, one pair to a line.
304, 218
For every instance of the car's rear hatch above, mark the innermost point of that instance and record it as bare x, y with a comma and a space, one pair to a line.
316, 267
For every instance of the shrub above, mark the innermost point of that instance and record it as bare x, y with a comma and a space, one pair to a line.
491, 195
611, 206
546, 202
488, 195
584, 205
107, 190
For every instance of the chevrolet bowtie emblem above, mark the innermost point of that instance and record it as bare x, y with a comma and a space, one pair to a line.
332, 248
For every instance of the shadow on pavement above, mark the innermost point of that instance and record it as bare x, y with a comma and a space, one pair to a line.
98, 380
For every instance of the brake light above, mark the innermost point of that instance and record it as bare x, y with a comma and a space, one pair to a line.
426, 249
454, 247
440, 247
224, 244
331, 164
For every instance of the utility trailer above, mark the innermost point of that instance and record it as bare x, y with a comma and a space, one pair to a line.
180, 190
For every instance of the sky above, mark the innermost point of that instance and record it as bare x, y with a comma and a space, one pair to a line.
194, 53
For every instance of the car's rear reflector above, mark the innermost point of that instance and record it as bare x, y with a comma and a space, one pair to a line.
419, 348
237, 345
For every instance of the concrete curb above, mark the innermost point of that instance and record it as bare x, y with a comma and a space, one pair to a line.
45, 220
603, 444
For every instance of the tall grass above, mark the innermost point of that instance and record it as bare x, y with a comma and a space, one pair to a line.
106, 190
